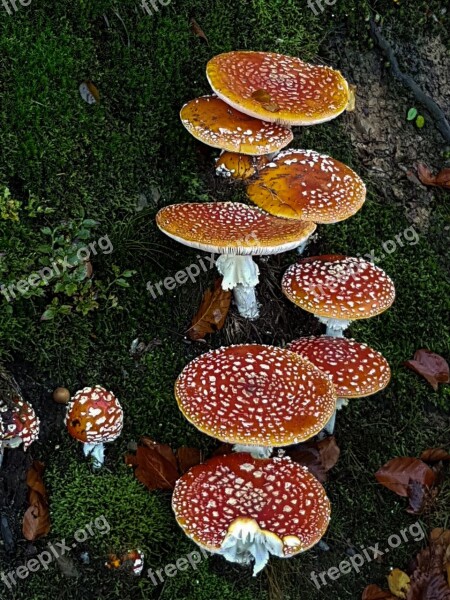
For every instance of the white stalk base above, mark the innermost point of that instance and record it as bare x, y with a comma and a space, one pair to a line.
329, 427
12, 443
241, 274
255, 451
97, 452
335, 327
246, 541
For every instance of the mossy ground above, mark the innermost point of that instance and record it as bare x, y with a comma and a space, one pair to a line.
109, 161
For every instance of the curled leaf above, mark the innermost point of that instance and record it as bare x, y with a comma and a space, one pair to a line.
431, 366
212, 312
442, 179
36, 521
317, 457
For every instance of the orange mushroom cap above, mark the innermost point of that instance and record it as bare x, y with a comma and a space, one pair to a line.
307, 185
217, 124
255, 395
338, 287
231, 228
18, 420
239, 166
94, 416
355, 369
281, 497
278, 88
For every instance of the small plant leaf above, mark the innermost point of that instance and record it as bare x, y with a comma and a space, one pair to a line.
420, 122
412, 114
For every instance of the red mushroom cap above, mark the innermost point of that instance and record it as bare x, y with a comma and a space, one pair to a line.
307, 185
18, 419
217, 124
281, 496
338, 287
94, 415
355, 369
231, 228
278, 88
255, 395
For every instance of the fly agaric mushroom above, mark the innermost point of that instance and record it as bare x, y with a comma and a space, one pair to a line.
356, 370
239, 166
94, 416
307, 185
246, 509
278, 88
338, 289
18, 424
236, 232
217, 124
255, 396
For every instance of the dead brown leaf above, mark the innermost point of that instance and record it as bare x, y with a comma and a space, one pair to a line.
432, 455
431, 366
317, 457
373, 592
36, 521
156, 465
212, 312
398, 473
187, 458
265, 99
198, 31
442, 179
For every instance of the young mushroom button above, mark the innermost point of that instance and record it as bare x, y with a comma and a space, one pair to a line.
94, 416
217, 124
246, 509
355, 369
277, 88
338, 289
255, 396
236, 232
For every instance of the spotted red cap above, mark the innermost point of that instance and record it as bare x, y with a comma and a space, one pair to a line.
217, 124
18, 420
275, 497
231, 228
355, 369
94, 415
278, 88
303, 184
338, 287
255, 395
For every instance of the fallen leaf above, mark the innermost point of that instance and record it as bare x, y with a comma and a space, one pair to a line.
399, 583
187, 458
36, 521
432, 455
317, 457
198, 31
440, 536
417, 496
264, 98
429, 587
373, 592
89, 92
442, 179
398, 473
156, 465
212, 312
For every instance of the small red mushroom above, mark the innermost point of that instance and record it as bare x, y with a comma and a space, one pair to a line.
245, 508
94, 416
18, 424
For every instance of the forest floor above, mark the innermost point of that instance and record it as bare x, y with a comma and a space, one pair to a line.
84, 172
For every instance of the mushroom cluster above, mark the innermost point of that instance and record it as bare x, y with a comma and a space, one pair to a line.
249, 504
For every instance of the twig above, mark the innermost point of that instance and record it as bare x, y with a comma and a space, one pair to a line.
436, 112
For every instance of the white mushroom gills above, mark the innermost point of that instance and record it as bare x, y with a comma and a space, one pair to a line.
240, 274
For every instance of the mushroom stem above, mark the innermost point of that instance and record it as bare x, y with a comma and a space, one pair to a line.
11, 443
240, 274
335, 327
302, 247
329, 427
255, 451
246, 541
97, 451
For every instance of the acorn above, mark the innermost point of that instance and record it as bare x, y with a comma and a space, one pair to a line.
61, 395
